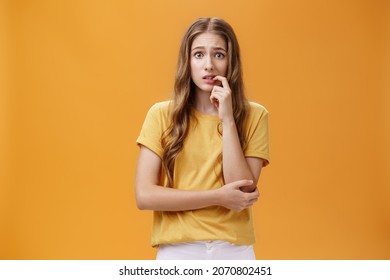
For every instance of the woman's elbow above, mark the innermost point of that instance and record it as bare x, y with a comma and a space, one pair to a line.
141, 201
140, 205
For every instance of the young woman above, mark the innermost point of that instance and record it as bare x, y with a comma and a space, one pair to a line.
202, 153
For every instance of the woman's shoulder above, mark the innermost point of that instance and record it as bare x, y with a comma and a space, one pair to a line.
162, 107
256, 108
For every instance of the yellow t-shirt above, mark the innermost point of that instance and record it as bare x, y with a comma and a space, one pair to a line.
198, 167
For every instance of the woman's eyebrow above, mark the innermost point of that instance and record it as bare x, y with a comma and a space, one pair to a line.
219, 49
198, 48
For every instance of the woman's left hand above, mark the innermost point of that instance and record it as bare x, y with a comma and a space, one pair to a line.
221, 97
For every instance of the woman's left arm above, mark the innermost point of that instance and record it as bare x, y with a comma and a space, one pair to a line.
235, 165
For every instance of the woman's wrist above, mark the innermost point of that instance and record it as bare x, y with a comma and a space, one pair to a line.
213, 197
228, 123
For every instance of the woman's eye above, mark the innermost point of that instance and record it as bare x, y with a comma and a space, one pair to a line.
198, 54
219, 55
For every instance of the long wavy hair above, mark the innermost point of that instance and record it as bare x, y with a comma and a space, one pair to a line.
184, 97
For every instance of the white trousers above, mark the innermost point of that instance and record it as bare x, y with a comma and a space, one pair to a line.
205, 250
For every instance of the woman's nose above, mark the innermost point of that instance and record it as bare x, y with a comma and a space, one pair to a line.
208, 64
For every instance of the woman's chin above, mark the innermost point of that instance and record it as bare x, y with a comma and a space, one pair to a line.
205, 89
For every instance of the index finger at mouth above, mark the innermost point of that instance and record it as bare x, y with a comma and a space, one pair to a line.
224, 81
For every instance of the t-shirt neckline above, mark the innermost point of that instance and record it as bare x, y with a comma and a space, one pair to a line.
200, 115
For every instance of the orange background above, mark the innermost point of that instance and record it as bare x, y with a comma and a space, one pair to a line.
77, 78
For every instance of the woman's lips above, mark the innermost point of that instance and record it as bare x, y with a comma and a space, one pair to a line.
210, 82
209, 79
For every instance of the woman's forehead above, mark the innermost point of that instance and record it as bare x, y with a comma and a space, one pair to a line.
208, 40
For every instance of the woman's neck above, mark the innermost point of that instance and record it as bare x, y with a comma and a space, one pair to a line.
203, 103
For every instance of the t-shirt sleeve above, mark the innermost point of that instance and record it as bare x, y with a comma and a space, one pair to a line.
257, 134
151, 131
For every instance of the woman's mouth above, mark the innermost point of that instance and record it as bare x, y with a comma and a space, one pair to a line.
209, 79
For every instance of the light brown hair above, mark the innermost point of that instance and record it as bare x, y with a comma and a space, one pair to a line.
184, 96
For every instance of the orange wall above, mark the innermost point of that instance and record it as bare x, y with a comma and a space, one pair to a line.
79, 76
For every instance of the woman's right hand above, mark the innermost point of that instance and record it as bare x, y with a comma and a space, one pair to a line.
231, 197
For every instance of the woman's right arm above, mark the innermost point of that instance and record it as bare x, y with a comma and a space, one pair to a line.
151, 196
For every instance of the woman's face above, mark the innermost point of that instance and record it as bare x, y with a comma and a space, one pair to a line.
208, 59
